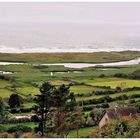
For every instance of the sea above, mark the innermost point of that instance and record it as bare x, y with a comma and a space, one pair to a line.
68, 37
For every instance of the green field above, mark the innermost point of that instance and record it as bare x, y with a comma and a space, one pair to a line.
28, 78
84, 89
4, 93
83, 132
28, 90
113, 82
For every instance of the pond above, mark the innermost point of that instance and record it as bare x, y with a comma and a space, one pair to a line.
6, 72
11, 63
82, 65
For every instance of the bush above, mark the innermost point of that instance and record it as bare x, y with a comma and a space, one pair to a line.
131, 101
14, 110
101, 76
136, 74
122, 97
138, 107
105, 105
120, 75
26, 110
17, 135
35, 118
105, 92
19, 128
135, 96
2, 128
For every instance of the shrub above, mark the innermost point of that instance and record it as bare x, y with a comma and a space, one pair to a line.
114, 129
101, 76
19, 128
132, 101
136, 74
2, 128
105, 92
105, 105
120, 75
17, 135
26, 110
14, 110
135, 96
122, 97
34, 118
138, 107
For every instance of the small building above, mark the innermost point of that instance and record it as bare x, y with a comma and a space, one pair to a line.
117, 113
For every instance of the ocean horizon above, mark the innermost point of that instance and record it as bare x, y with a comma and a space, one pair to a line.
23, 38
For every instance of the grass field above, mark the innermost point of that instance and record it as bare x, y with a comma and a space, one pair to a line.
83, 132
88, 80
4, 83
4, 93
28, 90
84, 89
113, 82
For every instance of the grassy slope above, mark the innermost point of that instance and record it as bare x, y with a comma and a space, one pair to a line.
112, 82
96, 57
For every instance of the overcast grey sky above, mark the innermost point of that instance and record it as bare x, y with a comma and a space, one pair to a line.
64, 26
100, 13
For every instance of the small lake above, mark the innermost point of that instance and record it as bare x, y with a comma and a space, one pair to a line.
104, 69
82, 65
64, 72
11, 63
6, 72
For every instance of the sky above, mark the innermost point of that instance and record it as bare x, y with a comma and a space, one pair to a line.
56, 26
94, 13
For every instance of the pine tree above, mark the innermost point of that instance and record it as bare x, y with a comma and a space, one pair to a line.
44, 101
15, 101
65, 115
1, 106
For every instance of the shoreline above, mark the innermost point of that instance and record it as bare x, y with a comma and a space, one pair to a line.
70, 52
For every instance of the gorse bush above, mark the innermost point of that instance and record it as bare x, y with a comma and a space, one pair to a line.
19, 128
106, 92
88, 108
135, 74
104, 99
120, 75
2, 129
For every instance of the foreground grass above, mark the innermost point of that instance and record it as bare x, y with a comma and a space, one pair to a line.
83, 132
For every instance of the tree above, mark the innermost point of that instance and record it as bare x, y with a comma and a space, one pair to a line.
57, 110
75, 120
121, 127
1, 106
97, 114
60, 97
44, 102
113, 129
66, 116
15, 101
